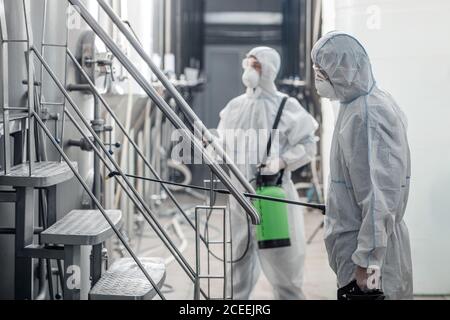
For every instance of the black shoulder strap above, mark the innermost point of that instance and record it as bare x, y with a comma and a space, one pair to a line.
275, 124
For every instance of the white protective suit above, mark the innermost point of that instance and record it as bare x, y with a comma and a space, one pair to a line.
369, 174
257, 109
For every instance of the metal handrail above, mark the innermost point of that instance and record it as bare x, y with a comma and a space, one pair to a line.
169, 113
202, 130
31, 88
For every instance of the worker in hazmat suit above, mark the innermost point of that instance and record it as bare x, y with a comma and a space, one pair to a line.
369, 173
294, 147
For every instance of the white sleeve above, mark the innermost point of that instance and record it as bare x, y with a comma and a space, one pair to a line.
299, 127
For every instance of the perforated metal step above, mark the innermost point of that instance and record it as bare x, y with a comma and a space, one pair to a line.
82, 227
45, 174
125, 281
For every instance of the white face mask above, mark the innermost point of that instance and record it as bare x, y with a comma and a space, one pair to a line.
325, 89
250, 78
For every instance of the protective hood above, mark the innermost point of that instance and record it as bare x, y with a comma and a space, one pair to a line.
270, 62
346, 63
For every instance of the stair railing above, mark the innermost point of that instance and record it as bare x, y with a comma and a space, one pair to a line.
199, 128
100, 149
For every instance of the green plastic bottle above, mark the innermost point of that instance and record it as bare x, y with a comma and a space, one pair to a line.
273, 232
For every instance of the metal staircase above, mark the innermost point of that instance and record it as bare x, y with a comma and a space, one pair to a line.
128, 278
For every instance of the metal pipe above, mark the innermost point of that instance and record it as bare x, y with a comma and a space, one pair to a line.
97, 171
170, 245
197, 257
44, 24
308, 39
30, 78
198, 124
58, 104
15, 108
41, 155
4, 87
42, 292
166, 109
95, 123
63, 120
60, 273
97, 203
50, 279
316, 21
162, 35
54, 45
15, 41
225, 276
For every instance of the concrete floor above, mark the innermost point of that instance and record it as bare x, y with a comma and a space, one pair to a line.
319, 279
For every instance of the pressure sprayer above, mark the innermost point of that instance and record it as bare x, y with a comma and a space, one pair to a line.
317, 206
273, 232
270, 200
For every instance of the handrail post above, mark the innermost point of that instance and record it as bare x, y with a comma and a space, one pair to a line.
30, 78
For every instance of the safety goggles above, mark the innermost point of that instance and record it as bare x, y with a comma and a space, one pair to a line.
320, 74
250, 62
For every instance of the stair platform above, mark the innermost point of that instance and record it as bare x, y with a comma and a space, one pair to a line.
45, 174
125, 281
82, 227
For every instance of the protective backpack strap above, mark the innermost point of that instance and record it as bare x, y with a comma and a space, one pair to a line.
275, 124
278, 176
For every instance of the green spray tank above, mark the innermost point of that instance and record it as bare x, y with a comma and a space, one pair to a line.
273, 232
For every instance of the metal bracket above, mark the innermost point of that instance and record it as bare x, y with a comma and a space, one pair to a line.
94, 63
42, 252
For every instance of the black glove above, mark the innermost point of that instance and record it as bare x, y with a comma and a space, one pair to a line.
353, 292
